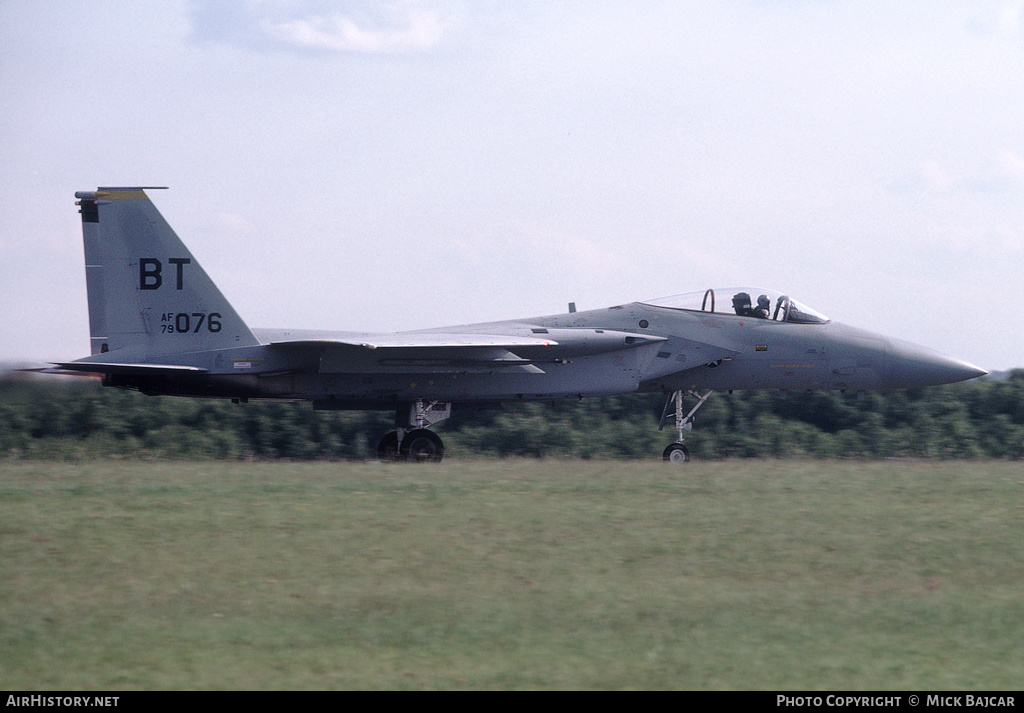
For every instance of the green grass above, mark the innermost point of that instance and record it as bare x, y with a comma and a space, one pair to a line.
512, 574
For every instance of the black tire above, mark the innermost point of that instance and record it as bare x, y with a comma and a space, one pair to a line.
387, 448
421, 446
676, 453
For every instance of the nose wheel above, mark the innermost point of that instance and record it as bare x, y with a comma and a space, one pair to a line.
676, 453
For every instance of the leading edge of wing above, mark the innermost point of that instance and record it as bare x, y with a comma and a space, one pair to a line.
570, 340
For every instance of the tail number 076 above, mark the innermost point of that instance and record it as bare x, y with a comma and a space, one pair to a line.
185, 323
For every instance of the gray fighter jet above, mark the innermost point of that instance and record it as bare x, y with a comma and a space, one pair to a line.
159, 325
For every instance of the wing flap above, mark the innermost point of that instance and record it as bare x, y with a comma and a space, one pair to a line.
439, 360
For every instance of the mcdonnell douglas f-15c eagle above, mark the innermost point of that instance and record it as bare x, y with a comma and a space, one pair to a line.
159, 324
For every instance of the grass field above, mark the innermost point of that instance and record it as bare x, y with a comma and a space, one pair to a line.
512, 574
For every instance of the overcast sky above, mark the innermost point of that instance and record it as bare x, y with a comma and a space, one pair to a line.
399, 165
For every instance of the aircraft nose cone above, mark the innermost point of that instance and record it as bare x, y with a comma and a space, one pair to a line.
914, 366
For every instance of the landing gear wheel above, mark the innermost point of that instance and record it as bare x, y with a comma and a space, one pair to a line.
421, 446
676, 453
387, 449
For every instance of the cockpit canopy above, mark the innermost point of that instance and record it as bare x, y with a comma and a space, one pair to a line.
745, 302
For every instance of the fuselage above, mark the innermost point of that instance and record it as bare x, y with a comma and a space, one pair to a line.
666, 349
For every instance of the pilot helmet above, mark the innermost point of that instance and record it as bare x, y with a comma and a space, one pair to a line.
742, 299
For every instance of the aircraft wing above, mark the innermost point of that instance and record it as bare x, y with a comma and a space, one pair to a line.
568, 340
422, 341
437, 352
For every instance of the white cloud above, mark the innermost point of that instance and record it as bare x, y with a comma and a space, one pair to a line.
1012, 166
1003, 174
412, 29
936, 177
1002, 19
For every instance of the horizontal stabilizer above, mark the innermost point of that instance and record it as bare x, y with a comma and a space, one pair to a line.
95, 367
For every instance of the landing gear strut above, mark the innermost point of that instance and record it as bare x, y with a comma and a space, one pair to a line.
677, 452
411, 441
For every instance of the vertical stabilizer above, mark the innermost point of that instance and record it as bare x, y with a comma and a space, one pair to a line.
147, 295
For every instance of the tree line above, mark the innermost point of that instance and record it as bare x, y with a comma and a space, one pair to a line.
977, 419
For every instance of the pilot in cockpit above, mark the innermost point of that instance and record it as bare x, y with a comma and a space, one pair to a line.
741, 303
763, 309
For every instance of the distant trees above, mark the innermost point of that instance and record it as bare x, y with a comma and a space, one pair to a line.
978, 419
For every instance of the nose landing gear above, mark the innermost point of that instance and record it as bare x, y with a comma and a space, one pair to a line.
677, 452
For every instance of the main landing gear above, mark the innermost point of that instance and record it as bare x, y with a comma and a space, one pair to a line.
677, 452
411, 441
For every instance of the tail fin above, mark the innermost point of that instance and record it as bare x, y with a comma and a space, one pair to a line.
147, 294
